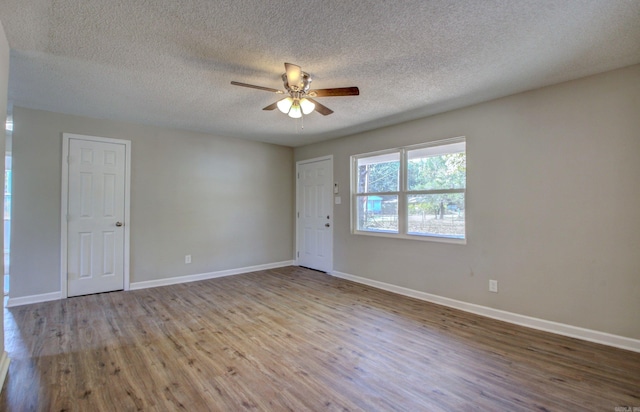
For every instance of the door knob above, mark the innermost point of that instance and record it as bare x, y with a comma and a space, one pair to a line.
327, 225
118, 224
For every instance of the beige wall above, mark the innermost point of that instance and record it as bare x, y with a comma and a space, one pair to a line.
552, 205
226, 202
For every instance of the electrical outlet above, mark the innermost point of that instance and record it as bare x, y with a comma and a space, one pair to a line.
187, 259
493, 286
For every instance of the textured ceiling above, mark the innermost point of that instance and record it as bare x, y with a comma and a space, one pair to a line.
169, 63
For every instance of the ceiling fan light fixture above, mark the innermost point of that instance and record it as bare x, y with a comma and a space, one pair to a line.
300, 100
307, 106
285, 104
295, 112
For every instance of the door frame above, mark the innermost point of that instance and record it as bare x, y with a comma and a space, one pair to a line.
65, 203
297, 216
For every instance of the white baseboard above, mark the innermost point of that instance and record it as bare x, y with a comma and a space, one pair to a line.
25, 300
205, 276
522, 320
4, 368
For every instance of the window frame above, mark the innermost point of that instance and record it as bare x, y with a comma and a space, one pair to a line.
403, 193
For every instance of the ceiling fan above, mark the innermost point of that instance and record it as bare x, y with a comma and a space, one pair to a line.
300, 99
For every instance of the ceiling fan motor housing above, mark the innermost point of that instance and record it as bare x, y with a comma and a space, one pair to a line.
302, 87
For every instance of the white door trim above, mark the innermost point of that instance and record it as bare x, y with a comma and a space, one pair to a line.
64, 205
298, 164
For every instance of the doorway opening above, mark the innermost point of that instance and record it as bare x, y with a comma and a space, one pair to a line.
7, 204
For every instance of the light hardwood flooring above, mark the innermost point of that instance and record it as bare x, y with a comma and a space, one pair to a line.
295, 339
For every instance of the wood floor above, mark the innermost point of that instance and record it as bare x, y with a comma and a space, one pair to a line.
295, 339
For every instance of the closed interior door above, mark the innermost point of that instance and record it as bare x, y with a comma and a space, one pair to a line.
95, 217
315, 214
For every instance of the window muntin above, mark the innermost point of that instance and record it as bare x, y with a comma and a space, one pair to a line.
414, 192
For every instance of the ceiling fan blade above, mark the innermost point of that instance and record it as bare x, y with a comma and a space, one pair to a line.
338, 91
253, 86
320, 108
294, 74
271, 106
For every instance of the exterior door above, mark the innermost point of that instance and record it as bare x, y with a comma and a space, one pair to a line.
95, 216
315, 214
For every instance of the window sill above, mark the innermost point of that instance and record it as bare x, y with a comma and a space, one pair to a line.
422, 238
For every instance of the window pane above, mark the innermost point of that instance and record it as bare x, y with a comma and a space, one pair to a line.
378, 173
377, 213
437, 167
437, 215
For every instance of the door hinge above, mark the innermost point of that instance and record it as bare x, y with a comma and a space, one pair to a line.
298, 175
297, 254
298, 214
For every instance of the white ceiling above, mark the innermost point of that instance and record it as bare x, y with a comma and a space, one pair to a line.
169, 63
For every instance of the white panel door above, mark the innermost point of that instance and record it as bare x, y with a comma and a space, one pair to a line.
95, 217
315, 214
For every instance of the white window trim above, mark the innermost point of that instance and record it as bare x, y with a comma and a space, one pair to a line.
402, 193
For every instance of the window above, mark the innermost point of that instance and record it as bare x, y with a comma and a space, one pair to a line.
415, 192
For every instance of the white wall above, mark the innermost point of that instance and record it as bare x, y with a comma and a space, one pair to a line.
226, 202
553, 193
